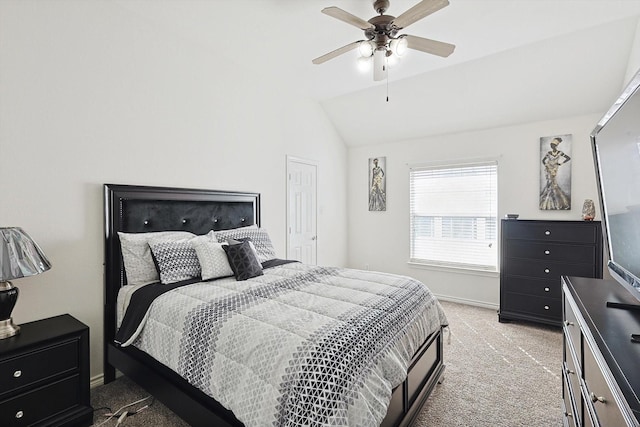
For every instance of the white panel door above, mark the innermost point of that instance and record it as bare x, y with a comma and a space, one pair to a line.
302, 210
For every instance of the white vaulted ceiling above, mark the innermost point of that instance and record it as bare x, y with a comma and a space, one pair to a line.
516, 60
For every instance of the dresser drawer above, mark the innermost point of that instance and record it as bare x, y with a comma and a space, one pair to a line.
572, 377
572, 330
551, 231
529, 286
546, 269
569, 411
549, 308
38, 365
551, 251
43, 402
604, 405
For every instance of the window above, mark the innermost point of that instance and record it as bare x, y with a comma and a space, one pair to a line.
454, 215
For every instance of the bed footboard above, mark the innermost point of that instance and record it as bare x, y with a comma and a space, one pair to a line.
198, 409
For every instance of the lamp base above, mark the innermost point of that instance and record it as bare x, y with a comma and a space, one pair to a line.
8, 298
8, 329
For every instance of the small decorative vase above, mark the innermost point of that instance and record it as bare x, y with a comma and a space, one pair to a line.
588, 210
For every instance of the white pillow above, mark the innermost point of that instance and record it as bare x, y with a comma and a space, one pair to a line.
136, 254
213, 259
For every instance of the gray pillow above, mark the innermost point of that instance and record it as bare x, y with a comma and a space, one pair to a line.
258, 236
243, 261
176, 260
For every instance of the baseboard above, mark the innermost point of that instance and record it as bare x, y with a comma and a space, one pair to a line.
475, 303
96, 381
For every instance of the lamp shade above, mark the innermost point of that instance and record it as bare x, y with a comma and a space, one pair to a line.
20, 256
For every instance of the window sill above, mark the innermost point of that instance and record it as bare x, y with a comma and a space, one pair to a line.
451, 269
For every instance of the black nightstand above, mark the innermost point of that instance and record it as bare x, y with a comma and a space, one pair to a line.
44, 375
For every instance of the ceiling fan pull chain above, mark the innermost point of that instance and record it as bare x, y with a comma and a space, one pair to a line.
387, 85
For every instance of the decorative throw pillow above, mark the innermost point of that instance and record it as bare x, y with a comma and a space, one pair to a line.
243, 239
243, 261
259, 237
212, 257
136, 254
176, 260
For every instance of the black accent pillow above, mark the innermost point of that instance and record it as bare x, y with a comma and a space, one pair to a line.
243, 261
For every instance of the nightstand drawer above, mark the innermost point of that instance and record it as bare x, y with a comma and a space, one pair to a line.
37, 405
551, 251
38, 365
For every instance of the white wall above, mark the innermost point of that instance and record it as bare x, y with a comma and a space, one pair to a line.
381, 239
92, 93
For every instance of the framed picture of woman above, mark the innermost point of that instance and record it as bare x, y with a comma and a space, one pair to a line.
377, 184
555, 172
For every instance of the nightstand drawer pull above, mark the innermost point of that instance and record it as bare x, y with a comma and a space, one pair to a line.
547, 252
19, 414
546, 289
547, 233
546, 307
17, 374
546, 270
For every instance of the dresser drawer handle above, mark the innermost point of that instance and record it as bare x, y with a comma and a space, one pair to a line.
546, 307
547, 252
546, 270
17, 374
547, 233
19, 414
595, 398
546, 289
567, 323
570, 372
568, 415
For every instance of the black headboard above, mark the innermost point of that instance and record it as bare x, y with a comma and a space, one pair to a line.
139, 209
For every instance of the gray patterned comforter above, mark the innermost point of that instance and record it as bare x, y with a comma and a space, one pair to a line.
299, 346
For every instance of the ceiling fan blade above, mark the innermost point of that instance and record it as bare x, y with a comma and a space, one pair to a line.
345, 16
430, 46
419, 11
337, 52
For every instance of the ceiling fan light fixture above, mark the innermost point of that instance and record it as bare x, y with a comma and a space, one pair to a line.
366, 48
399, 46
364, 64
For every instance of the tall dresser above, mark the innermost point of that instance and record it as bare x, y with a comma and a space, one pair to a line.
534, 255
600, 375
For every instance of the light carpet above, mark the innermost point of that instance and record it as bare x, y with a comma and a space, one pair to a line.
497, 374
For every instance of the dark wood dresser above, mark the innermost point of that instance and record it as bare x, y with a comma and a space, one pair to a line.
44, 375
534, 254
601, 367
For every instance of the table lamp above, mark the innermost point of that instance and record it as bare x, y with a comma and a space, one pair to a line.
20, 257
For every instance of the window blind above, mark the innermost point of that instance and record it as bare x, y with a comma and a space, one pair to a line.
454, 215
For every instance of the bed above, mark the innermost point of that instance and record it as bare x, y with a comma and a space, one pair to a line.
141, 209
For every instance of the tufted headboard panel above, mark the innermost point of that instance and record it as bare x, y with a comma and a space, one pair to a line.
139, 209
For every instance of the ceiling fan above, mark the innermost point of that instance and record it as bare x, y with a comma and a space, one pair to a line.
382, 42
